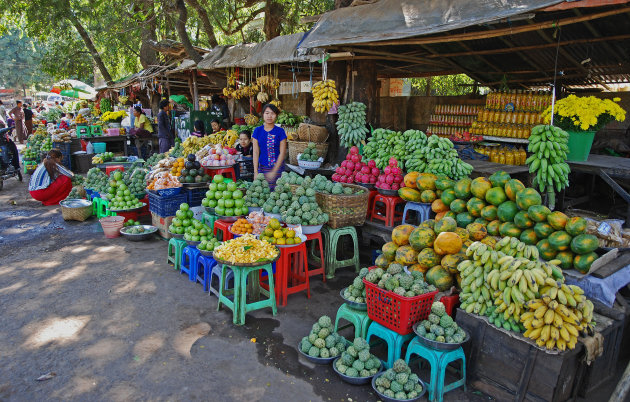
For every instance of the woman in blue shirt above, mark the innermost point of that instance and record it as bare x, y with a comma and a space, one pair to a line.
270, 146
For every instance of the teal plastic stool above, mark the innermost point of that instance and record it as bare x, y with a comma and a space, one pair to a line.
358, 318
439, 361
239, 305
331, 241
175, 250
209, 219
395, 341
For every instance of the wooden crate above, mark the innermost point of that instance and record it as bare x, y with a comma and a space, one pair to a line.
509, 367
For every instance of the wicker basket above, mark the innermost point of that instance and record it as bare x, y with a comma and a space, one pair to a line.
75, 212
312, 133
344, 210
297, 147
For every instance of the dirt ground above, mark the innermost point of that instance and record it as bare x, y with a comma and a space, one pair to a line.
112, 321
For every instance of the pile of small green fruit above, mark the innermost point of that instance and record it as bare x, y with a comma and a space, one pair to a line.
97, 180
323, 341
226, 199
131, 222
399, 382
257, 192
310, 153
357, 361
120, 197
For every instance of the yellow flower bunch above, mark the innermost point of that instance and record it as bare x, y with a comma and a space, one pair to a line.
114, 117
586, 113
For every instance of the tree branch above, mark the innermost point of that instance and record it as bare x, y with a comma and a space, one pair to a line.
180, 27
205, 21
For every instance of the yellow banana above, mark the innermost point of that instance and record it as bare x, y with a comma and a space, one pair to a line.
561, 344
554, 333
544, 334
548, 317
550, 343
540, 312
564, 334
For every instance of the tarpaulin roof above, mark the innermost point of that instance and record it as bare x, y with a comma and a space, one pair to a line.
395, 19
281, 49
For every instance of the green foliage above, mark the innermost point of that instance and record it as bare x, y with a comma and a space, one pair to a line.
445, 85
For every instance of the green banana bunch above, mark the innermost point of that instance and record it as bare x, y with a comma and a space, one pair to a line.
351, 124
289, 119
548, 145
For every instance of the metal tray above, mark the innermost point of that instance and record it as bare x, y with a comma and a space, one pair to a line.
206, 253
176, 235
368, 186
129, 210
229, 219
388, 399
192, 243
353, 305
217, 167
148, 233
356, 380
316, 360
252, 264
209, 210
194, 185
439, 345
389, 193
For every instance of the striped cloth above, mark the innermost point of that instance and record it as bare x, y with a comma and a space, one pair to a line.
41, 179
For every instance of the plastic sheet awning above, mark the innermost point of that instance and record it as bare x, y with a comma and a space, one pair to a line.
397, 19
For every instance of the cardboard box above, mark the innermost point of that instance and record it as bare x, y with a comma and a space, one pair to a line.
162, 224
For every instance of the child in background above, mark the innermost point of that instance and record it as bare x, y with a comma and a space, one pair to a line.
200, 129
244, 145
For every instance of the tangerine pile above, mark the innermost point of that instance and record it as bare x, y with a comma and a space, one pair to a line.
178, 166
242, 226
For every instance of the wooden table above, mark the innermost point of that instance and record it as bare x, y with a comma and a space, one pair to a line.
608, 168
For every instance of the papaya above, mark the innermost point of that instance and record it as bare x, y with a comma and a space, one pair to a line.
512, 187
421, 238
450, 214
389, 250
418, 267
464, 219
527, 197
543, 230
489, 212
545, 250
583, 262
477, 231
409, 194
479, 187
507, 211
474, 206
528, 236
496, 196
429, 223
439, 277
428, 258
439, 216
538, 213
499, 179
458, 206
584, 244
447, 243
406, 255
428, 196
509, 229
448, 196
426, 181
410, 180
559, 240
493, 227
566, 259
489, 241
557, 220
451, 261
443, 183
445, 224
522, 220
462, 233
382, 261
575, 226
462, 188
438, 206
401, 233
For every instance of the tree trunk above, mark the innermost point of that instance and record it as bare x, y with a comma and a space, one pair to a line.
148, 56
74, 20
273, 19
205, 21
342, 3
180, 26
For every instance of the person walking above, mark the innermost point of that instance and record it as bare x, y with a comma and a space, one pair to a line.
28, 119
165, 131
18, 117
3, 113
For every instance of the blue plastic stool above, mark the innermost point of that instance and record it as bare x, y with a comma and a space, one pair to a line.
422, 210
216, 272
359, 319
394, 341
205, 265
439, 361
175, 251
189, 262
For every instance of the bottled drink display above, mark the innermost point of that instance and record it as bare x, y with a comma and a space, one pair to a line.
448, 120
504, 154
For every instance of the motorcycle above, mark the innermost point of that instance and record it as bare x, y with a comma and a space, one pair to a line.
9, 158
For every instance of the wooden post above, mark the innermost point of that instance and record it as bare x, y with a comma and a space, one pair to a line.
366, 88
195, 90
337, 72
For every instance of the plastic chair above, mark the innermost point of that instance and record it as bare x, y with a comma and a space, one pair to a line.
239, 305
209, 219
216, 272
331, 239
439, 361
387, 212
111, 168
175, 250
227, 172
359, 319
205, 265
395, 341
322, 268
188, 266
222, 226
422, 212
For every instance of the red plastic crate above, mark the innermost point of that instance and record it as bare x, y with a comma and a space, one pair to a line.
396, 312
450, 303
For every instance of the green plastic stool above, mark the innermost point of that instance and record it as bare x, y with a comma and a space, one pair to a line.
175, 250
239, 305
395, 341
102, 208
331, 240
359, 319
439, 361
209, 220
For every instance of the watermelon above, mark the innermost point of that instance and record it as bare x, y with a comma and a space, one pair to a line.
507, 211
584, 244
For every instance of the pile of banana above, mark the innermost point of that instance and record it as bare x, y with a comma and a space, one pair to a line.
324, 95
549, 147
276, 103
351, 124
229, 138
556, 319
251, 119
262, 97
193, 144
268, 81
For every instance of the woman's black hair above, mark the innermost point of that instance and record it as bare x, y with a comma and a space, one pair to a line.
216, 99
271, 106
247, 133
215, 121
163, 103
138, 109
50, 164
199, 127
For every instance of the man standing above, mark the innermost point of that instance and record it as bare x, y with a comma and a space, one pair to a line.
18, 116
28, 119
3, 113
165, 131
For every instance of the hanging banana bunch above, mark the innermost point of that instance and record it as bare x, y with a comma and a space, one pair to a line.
324, 95
262, 97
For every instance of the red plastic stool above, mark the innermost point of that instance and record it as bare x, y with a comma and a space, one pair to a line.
450, 303
387, 212
111, 168
223, 227
226, 173
373, 193
321, 270
145, 210
292, 271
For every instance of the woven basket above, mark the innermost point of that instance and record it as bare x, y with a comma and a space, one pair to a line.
76, 214
297, 147
344, 210
312, 133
